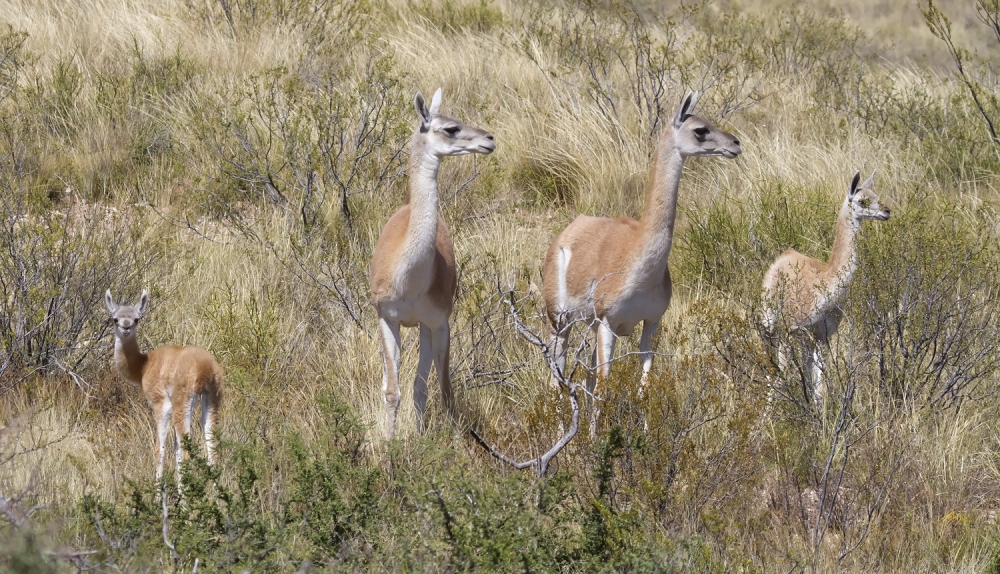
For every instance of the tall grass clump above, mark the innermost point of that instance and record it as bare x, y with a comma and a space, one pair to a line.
56, 257
301, 160
238, 159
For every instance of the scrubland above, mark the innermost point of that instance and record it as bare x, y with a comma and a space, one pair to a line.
239, 158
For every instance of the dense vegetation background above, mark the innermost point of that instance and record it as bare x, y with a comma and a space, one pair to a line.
238, 159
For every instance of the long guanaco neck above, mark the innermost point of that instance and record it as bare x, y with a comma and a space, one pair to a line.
422, 196
657, 222
130, 360
843, 255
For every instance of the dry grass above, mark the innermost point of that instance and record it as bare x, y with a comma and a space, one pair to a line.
285, 342
897, 26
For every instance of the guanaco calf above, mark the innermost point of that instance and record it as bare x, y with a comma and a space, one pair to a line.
804, 295
413, 277
172, 378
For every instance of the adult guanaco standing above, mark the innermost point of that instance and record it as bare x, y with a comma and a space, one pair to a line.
612, 273
413, 279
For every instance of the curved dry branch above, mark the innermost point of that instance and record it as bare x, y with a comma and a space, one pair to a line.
541, 463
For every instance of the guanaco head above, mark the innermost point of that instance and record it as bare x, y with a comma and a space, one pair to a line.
126, 318
445, 135
695, 136
863, 201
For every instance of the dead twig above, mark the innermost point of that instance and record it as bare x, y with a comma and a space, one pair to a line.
541, 464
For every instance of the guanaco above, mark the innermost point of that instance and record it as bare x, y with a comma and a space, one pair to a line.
612, 274
173, 379
413, 277
804, 295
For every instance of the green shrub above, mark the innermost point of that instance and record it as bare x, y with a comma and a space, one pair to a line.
55, 261
21, 551
315, 21
926, 304
324, 150
730, 243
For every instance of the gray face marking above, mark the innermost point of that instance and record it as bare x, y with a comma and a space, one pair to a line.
447, 135
697, 137
126, 317
453, 137
865, 203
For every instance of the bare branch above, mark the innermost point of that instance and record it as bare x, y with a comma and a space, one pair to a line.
541, 463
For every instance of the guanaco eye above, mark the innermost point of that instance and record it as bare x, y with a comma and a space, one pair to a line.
865, 202
452, 130
702, 131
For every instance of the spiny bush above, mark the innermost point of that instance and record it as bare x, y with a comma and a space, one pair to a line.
55, 261
633, 65
695, 428
456, 17
926, 304
335, 497
23, 552
729, 243
306, 142
608, 534
316, 21
978, 73
247, 332
320, 148
224, 523
105, 132
327, 503
219, 526
53, 267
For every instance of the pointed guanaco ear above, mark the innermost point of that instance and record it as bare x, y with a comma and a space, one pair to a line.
423, 112
687, 106
854, 184
109, 302
436, 101
143, 303
868, 182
